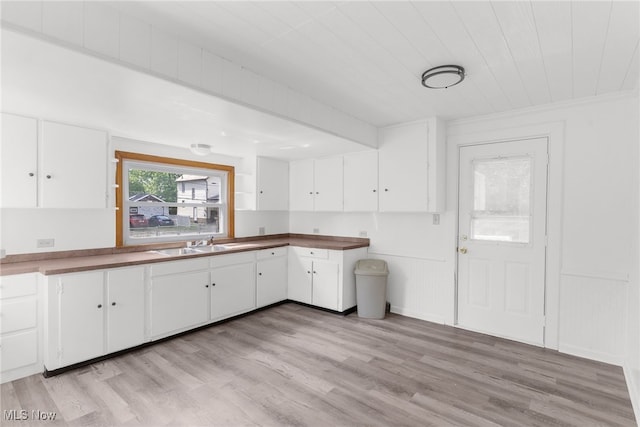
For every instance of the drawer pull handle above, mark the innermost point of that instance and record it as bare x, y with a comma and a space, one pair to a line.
99, 305
113, 303
213, 284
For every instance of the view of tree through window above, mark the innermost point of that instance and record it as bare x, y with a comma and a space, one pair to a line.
165, 202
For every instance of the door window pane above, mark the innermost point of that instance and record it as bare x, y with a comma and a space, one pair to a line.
502, 200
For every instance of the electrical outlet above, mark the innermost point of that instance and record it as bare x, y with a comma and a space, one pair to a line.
363, 234
436, 219
45, 243
261, 231
316, 230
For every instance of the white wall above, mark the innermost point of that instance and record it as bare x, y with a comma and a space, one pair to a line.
75, 229
632, 361
598, 212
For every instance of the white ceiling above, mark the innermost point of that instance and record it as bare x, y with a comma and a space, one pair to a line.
366, 58
52, 82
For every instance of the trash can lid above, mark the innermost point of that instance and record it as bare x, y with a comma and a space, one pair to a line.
372, 267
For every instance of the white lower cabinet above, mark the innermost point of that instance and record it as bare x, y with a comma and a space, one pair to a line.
271, 280
179, 296
233, 285
90, 314
125, 308
81, 320
20, 327
322, 277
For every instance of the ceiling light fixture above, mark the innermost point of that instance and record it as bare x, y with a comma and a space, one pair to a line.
443, 76
200, 149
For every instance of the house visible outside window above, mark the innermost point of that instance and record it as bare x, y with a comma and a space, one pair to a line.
154, 206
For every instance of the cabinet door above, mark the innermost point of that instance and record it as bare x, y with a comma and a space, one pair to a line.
125, 308
361, 182
328, 184
272, 185
299, 286
74, 167
19, 162
301, 185
325, 284
80, 317
179, 302
233, 290
272, 281
403, 168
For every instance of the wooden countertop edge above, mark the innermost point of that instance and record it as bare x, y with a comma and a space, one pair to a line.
97, 259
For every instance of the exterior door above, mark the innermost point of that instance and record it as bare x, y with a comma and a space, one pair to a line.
501, 239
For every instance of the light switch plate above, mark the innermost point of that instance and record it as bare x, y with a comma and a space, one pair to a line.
261, 231
316, 230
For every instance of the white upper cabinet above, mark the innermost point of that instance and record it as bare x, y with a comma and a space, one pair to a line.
328, 184
72, 171
316, 185
361, 182
19, 161
301, 185
73, 167
411, 167
272, 184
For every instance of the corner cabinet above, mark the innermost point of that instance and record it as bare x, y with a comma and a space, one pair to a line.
324, 278
41, 166
412, 167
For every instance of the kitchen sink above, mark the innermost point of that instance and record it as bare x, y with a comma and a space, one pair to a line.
176, 251
211, 248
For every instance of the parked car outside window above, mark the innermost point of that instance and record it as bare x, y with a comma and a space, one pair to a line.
138, 221
160, 221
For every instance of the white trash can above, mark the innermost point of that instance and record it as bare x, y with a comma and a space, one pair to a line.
371, 288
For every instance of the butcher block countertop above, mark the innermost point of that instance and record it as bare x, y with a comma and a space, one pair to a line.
95, 259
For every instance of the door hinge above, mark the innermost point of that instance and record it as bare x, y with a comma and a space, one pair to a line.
60, 288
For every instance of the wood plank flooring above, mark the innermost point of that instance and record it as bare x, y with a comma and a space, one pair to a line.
293, 365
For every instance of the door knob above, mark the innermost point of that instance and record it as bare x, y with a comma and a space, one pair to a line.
463, 250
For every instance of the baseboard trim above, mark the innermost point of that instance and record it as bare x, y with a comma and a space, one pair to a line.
590, 354
418, 315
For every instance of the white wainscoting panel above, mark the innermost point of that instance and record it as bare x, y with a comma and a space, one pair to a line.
419, 288
592, 317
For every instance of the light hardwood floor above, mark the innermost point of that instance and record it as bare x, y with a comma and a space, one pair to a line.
293, 365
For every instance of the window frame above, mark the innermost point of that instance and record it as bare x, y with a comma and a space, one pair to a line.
122, 156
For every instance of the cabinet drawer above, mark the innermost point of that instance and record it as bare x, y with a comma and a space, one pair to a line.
18, 286
175, 267
272, 252
19, 350
311, 252
18, 314
231, 259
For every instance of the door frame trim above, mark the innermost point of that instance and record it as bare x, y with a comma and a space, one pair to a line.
554, 131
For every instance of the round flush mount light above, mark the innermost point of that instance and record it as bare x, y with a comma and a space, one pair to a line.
200, 149
443, 76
